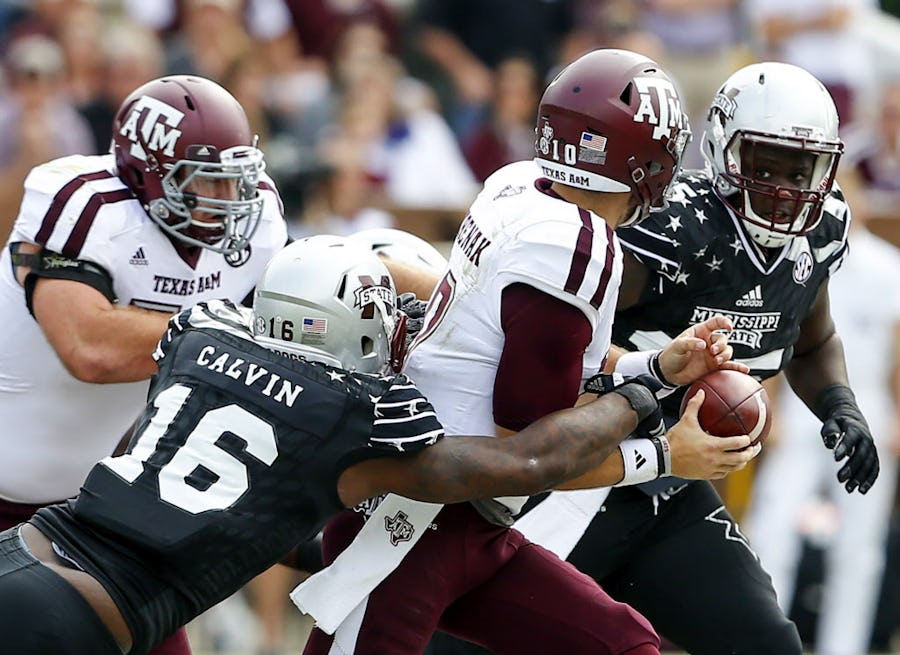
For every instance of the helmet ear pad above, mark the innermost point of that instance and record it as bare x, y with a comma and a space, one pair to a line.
328, 299
767, 108
612, 121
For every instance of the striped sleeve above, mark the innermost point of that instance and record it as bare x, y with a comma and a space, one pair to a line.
404, 419
575, 262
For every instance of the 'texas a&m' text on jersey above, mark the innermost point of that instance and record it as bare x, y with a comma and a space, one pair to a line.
76, 206
235, 461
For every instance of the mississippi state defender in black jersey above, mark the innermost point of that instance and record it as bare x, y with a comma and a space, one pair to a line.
756, 240
235, 462
694, 261
259, 427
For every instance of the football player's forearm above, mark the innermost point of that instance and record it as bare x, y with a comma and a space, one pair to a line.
126, 351
114, 347
809, 373
408, 278
558, 447
610, 472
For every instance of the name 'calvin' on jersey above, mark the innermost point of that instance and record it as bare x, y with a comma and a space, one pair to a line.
234, 462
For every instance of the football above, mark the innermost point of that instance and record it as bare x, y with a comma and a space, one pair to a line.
735, 404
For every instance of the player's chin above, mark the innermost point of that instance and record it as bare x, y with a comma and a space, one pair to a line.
209, 235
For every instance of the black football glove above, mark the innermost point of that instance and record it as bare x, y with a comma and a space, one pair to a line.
844, 430
640, 392
415, 314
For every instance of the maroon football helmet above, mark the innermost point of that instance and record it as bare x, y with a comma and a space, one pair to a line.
179, 134
612, 121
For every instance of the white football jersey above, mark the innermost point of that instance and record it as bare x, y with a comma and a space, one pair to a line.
77, 206
517, 231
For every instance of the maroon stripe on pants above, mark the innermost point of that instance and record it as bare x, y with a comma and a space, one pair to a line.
59, 202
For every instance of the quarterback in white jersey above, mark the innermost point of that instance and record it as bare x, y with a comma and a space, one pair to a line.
522, 315
96, 234
518, 231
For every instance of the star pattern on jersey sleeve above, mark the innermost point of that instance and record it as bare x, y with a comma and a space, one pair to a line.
700, 253
701, 216
682, 278
405, 420
335, 376
736, 245
715, 263
674, 222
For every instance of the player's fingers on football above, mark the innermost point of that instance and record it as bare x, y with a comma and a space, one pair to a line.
723, 353
693, 405
734, 444
732, 365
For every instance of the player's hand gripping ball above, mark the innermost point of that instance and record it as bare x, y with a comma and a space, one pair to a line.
735, 404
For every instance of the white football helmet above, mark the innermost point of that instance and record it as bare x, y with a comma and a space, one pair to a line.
772, 106
327, 299
401, 246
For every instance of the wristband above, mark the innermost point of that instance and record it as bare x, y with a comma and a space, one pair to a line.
645, 460
645, 362
833, 396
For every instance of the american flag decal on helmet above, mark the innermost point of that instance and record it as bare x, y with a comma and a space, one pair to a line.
592, 148
314, 326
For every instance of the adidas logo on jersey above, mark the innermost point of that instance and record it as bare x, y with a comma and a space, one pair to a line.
752, 298
639, 460
138, 258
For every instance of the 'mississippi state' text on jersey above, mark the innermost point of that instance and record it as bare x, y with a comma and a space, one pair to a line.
77, 207
235, 461
702, 263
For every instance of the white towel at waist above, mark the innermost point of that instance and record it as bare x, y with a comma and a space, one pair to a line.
558, 522
391, 531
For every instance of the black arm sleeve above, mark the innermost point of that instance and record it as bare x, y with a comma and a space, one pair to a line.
50, 264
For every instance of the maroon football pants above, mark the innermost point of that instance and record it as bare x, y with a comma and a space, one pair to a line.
14, 513
488, 585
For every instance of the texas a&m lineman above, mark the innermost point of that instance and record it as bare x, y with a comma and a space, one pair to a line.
104, 250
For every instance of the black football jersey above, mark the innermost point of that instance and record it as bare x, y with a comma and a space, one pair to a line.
234, 461
701, 262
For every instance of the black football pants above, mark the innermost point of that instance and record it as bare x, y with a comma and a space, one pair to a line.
41, 613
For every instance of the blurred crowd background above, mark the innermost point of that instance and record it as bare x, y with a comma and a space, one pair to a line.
390, 112
380, 113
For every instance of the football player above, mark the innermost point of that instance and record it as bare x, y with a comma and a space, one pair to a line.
518, 322
104, 250
259, 426
755, 237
